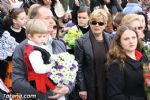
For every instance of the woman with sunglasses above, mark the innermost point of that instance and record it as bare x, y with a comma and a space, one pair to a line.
90, 52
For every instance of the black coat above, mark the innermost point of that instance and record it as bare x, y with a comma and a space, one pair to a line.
84, 56
126, 83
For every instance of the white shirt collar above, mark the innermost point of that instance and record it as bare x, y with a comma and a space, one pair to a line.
41, 46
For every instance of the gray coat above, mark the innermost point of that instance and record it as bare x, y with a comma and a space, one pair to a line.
84, 56
19, 74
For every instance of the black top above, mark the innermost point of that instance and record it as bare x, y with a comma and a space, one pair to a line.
99, 53
83, 30
19, 36
126, 83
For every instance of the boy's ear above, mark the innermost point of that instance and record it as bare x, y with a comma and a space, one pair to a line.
29, 36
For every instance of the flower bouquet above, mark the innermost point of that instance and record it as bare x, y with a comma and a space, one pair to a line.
146, 67
71, 36
65, 69
7, 45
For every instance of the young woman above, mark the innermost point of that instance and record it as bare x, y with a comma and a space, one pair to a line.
15, 22
124, 79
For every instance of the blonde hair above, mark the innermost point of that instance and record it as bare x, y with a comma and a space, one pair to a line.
36, 26
128, 19
99, 14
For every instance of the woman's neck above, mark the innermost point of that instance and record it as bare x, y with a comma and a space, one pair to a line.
16, 29
131, 54
98, 37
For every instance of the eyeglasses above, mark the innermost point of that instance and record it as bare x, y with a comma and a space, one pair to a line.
99, 23
138, 28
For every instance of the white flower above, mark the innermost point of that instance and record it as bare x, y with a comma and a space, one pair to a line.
65, 70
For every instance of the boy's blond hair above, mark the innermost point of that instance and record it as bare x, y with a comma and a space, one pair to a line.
36, 26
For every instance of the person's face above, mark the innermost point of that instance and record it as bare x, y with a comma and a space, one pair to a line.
142, 19
46, 16
21, 20
109, 28
128, 41
53, 35
107, 1
97, 26
136, 25
47, 2
38, 38
83, 19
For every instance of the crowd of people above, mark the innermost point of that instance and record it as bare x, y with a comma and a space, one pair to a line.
106, 38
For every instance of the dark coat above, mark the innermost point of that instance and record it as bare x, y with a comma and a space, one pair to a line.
84, 56
19, 74
126, 83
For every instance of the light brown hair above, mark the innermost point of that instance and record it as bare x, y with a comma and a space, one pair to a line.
116, 51
36, 26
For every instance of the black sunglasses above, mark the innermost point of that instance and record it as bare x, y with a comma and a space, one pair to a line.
99, 23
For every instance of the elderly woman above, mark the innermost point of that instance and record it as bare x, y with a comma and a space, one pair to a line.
90, 52
134, 21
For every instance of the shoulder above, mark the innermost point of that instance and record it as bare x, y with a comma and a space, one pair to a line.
21, 45
85, 36
108, 35
58, 42
108, 38
114, 65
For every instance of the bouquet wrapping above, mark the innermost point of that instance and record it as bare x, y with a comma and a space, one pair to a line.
65, 69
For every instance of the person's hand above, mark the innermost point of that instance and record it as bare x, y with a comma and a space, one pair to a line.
83, 95
55, 96
59, 91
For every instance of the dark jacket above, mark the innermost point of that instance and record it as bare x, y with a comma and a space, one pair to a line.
84, 56
126, 83
95, 3
19, 74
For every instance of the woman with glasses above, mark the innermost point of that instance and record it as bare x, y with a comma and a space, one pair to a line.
134, 21
90, 52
